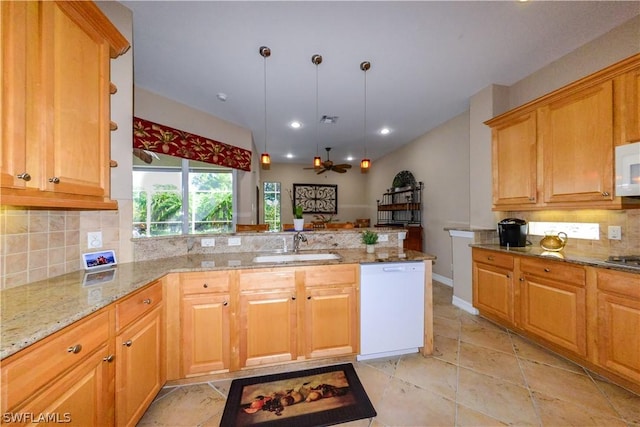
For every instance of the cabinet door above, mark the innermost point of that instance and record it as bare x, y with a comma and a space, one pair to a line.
631, 107
331, 321
205, 333
139, 367
268, 327
555, 311
18, 27
75, 101
80, 397
576, 134
514, 162
493, 292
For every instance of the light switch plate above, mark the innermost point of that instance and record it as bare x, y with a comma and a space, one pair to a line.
383, 238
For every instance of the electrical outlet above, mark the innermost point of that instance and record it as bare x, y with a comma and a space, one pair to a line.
614, 232
233, 241
383, 238
208, 242
94, 239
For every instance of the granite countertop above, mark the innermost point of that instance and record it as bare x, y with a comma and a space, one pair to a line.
566, 255
36, 310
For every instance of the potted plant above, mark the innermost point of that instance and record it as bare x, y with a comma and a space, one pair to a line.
298, 220
370, 238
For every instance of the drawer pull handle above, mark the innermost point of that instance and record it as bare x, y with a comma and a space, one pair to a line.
146, 301
205, 286
605, 194
109, 358
127, 343
490, 258
75, 349
24, 176
546, 270
54, 180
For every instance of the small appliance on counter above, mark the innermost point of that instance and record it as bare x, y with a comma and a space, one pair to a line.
513, 232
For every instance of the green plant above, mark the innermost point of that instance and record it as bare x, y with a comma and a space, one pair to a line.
369, 237
297, 212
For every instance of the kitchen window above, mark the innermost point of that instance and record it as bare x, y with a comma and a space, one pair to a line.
272, 201
173, 196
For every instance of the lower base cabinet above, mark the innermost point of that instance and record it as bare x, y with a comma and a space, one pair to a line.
493, 289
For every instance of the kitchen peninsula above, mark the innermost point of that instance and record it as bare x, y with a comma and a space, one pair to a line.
183, 316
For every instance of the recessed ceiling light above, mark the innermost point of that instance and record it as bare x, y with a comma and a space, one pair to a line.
295, 124
289, 156
385, 131
222, 96
350, 159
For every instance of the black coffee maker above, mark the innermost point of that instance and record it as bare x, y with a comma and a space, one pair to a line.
513, 232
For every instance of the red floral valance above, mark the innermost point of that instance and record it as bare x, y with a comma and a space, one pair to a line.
166, 140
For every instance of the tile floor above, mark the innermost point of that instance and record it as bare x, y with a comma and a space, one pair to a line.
480, 375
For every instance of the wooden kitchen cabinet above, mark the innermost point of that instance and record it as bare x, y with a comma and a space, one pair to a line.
69, 373
205, 343
553, 303
493, 288
629, 107
55, 104
514, 148
268, 316
140, 369
576, 135
331, 310
618, 320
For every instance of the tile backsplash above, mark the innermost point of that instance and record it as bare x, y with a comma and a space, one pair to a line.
38, 244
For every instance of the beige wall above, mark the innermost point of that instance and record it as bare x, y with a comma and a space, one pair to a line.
353, 199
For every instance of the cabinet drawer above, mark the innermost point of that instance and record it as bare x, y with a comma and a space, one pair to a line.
137, 305
201, 283
33, 368
267, 278
331, 275
563, 272
495, 258
627, 284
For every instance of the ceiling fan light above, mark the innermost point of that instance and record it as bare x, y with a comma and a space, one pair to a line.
317, 162
365, 164
265, 161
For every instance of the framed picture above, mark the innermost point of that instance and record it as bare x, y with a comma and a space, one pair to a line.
316, 198
98, 260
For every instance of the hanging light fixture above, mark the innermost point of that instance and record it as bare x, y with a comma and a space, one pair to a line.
317, 160
365, 163
265, 159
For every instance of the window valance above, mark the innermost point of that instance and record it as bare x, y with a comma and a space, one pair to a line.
173, 142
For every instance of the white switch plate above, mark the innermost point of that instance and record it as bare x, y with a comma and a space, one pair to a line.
208, 242
94, 239
614, 232
234, 241
383, 237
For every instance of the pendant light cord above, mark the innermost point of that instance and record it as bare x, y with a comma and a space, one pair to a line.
364, 130
316, 118
265, 103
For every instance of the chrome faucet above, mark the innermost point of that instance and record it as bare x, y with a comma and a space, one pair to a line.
297, 238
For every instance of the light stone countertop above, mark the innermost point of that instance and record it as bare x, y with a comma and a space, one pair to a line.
36, 310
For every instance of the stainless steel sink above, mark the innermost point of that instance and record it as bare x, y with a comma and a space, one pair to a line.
297, 257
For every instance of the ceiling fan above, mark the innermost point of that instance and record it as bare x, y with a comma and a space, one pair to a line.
328, 165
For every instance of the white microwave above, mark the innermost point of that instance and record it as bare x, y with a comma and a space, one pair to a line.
628, 170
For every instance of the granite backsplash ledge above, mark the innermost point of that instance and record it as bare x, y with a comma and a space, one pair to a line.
149, 248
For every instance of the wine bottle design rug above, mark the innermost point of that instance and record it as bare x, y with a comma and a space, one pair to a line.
313, 397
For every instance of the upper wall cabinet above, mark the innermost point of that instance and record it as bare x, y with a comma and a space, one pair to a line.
55, 104
557, 152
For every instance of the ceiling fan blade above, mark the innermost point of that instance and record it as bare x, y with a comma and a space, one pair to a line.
339, 170
343, 166
322, 171
309, 168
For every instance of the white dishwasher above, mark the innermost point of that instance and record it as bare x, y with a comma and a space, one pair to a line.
391, 309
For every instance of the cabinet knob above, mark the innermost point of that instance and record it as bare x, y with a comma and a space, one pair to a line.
205, 286
532, 199
108, 358
127, 343
75, 349
25, 176
293, 298
546, 270
54, 180
605, 193
309, 297
521, 279
225, 303
146, 301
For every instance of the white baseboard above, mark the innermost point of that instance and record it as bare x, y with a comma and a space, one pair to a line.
464, 305
442, 279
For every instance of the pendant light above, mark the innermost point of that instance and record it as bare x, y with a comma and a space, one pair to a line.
365, 163
265, 159
317, 161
